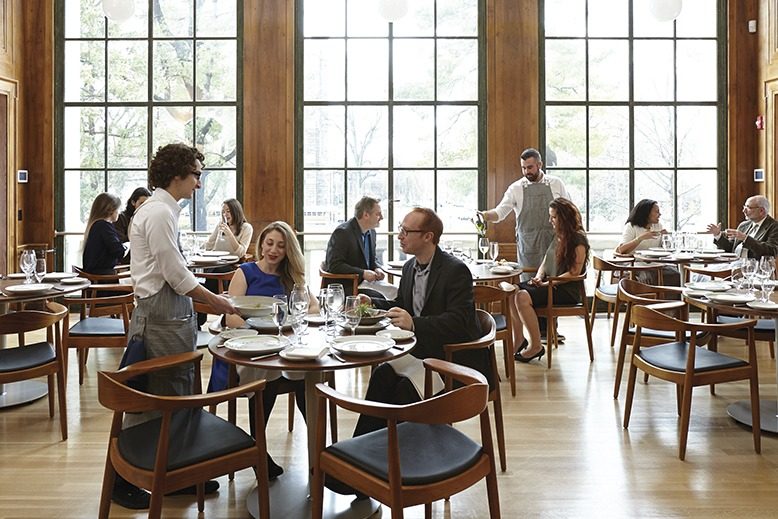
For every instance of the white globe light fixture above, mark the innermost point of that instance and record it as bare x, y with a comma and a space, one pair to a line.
392, 10
118, 11
665, 10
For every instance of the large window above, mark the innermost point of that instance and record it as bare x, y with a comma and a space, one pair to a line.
389, 110
633, 109
168, 74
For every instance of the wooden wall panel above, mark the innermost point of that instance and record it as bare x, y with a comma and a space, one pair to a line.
513, 100
268, 112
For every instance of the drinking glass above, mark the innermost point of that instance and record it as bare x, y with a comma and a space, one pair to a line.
351, 313
494, 251
749, 268
335, 304
737, 280
324, 298
298, 325
279, 315
27, 264
768, 285
298, 299
40, 269
483, 246
667, 242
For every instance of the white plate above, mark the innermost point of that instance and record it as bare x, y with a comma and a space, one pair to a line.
684, 256
696, 293
74, 281
266, 324
230, 257
303, 353
759, 305
32, 288
253, 306
237, 332
17, 275
203, 260
257, 344
658, 249
372, 328
712, 286
59, 276
362, 346
707, 255
653, 253
396, 334
215, 253
501, 270
731, 298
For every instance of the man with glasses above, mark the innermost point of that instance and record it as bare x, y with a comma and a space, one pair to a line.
755, 237
164, 288
352, 249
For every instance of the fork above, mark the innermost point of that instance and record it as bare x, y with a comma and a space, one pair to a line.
337, 357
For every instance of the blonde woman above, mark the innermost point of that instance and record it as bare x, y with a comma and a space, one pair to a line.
102, 247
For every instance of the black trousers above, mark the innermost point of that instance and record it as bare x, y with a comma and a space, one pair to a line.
274, 388
388, 387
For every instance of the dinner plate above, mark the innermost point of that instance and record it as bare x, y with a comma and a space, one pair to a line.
73, 281
653, 253
713, 286
32, 288
214, 253
659, 249
256, 345
731, 298
237, 332
203, 260
501, 270
762, 305
396, 334
696, 293
707, 255
266, 324
59, 276
684, 256
230, 257
362, 346
372, 328
376, 315
17, 275
253, 306
303, 353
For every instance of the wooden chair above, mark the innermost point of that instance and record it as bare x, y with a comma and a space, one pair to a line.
687, 365
186, 445
102, 278
437, 460
97, 328
488, 329
551, 311
45, 358
350, 282
485, 297
608, 291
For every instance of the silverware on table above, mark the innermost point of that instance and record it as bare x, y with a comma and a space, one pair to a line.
264, 356
337, 357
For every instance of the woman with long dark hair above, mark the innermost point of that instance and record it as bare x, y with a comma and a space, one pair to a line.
233, 234
102, 247
122, 223
642, 229
567, 256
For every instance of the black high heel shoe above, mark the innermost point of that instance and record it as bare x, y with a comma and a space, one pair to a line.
539, 355
523, 345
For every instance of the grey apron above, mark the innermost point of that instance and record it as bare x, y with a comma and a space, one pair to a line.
167, 324
533, 230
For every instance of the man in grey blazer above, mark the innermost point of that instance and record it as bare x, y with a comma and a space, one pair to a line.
755, 237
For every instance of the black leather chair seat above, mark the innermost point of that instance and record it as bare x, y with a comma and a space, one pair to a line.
195, 436
428, 453
663, 333
672, 357
26, 357
762, 325
499, 320
609, 290
96, 326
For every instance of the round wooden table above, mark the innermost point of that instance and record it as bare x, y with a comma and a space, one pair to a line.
681, 260
22, 392
741, 410
480, 271
290, 494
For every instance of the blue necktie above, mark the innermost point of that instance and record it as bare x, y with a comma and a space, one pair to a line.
366, 248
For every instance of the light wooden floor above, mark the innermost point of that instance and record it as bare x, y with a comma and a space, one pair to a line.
568, 455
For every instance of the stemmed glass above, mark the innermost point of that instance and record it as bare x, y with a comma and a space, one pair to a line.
767, 287
766, 270
483, 246
749, 268
324, 308
494, 251
335, 303
40, 269
27, 264
279, 315
298, 307
351, 313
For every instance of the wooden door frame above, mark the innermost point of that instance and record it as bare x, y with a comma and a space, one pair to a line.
9, 88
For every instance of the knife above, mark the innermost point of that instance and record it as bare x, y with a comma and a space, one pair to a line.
337, 357
266, 355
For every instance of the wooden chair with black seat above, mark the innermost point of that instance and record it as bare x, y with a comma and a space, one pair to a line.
350, 282
607, 290
486, 341
120, 274
487, 297
419, 457
186, 445
98, 325
687, 365
551, 311
631, 294
39, 359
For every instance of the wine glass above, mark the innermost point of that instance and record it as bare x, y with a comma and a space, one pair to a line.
351, 313
27, 264
335, 303
483, 246
298, 325
749, 268
667, 242
494, 251
298, 299
40, 269
324, 299
279, 315
767, 287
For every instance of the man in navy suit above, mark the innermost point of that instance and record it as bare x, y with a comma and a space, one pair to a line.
352, 246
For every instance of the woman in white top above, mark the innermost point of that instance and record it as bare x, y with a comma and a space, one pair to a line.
643, 231
233, 234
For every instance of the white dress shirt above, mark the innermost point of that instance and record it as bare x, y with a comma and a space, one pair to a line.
156, 259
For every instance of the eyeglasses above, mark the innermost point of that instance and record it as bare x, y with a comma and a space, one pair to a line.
402, 231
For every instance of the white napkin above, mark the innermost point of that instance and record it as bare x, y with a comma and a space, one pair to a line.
306, 352
412, 368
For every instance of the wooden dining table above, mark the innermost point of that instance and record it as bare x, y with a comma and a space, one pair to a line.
290, 494
681, 259
479, 269
16, 393
740, 411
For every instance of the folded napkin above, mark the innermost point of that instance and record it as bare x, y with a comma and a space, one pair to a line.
306, 352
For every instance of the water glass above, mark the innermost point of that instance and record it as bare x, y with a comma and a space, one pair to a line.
27, 264
494, 251
336, 300
768, 285
279, 315
351, 313
324, 299
667, 242
40, 269
298, 325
